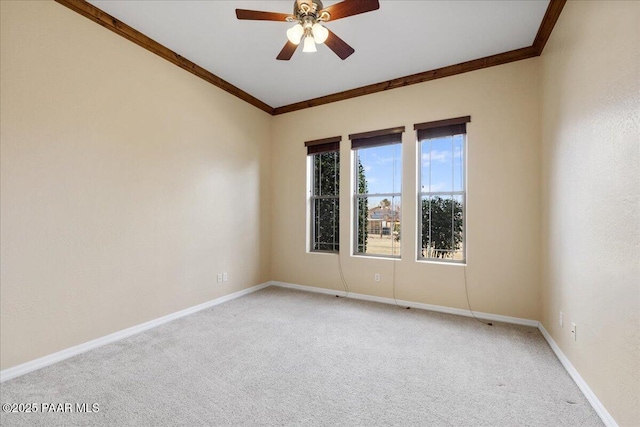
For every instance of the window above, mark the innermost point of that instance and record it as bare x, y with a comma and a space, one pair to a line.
324, 189
377, 195
442, 196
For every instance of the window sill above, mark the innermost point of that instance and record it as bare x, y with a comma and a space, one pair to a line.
455, 263
323, 253
376, 257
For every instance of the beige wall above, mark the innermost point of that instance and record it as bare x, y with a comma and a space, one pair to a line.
503, 192
127, 184
591, 197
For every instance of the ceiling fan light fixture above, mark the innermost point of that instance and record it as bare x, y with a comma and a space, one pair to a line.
309, 45
295, 33
320, 33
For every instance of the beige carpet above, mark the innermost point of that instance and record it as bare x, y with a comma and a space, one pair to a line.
284, 357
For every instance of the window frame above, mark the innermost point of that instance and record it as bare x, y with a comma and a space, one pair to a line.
370, 140
315, 148
442, 128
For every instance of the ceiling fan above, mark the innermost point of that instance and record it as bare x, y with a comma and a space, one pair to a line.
309, 16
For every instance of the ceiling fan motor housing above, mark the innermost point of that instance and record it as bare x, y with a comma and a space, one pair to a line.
303, 8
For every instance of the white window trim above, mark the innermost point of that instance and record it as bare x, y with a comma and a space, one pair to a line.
421, 194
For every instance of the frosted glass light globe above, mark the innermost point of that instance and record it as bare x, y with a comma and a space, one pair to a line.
309, 45
320, 33
294, 34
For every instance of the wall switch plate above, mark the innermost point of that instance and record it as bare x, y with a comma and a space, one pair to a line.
376, 277
225, 277
219, 277
574, 331
560, 320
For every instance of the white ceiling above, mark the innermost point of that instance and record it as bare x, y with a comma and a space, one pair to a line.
399, 39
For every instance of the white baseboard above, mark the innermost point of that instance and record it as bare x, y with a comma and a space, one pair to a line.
430, 307
33, 365
582, 385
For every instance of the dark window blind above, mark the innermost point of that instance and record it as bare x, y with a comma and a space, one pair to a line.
376, 138
325, 145
442, 128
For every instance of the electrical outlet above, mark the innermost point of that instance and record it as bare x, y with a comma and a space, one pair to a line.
225, 277
574, 331
376, 277
219, 277
560, 320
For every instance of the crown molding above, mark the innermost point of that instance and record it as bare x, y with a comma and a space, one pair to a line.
104, 19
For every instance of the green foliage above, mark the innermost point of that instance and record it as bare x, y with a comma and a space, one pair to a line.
363, 210
443, 217
326, 170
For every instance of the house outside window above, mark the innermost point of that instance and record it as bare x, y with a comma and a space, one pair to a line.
324, 194
377, 192
442, 190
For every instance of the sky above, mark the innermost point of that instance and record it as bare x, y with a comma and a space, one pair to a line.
441, 166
